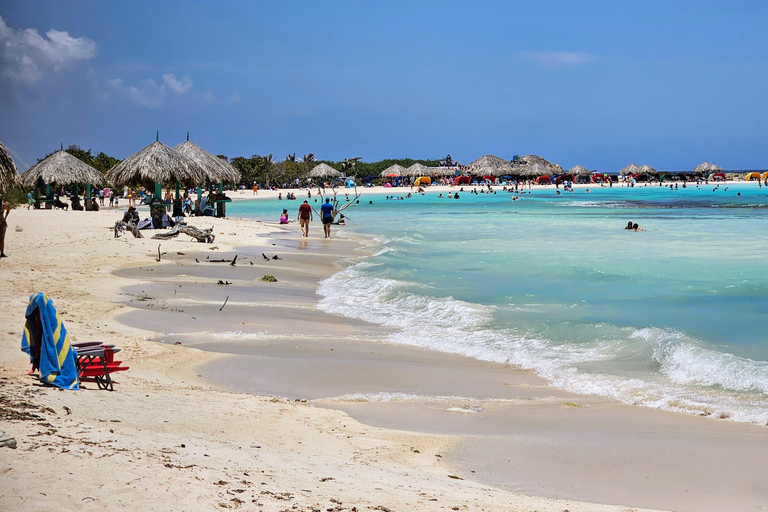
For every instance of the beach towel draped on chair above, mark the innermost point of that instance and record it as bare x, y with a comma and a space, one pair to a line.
45, 340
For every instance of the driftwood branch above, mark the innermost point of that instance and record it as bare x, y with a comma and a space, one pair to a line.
121, 227
201, 235
338, 207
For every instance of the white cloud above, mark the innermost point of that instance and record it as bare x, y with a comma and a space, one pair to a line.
235, 97
179, 86
150, 93
27, 56
550, 59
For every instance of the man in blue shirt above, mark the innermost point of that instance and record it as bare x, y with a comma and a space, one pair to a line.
326, 213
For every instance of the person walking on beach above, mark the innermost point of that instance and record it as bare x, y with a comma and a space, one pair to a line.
305, 217
327, 217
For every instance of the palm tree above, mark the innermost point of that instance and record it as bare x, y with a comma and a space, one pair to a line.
309, 158
268, 164
291, 157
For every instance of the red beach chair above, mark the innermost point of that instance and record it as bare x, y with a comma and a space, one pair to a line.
96, 361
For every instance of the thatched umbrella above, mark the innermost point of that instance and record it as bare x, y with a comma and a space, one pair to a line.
157, 164
578, 170
535, 159
536, 169
395, 169
324, 171
488, 170
215, 169
417, 170
707, 168
64, 169
632, 168
8, 176
534, 165
647, 169
491, 165
8, 173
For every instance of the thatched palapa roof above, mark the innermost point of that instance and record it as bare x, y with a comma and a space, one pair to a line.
647, 169
536, 169
707, 168
215, 168
534, 165
324, 171
632, 168
417, 169
536, 159
8, 173
63, 169
393, 169
578, 170
157, 163
490, 165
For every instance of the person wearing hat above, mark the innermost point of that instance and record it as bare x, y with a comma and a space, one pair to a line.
131, 215
305, 217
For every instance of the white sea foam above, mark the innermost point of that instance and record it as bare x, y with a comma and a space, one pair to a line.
690, 377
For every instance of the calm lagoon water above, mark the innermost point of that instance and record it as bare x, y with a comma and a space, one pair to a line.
673, 317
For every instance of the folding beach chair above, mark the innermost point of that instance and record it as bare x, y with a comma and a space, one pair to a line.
46, 341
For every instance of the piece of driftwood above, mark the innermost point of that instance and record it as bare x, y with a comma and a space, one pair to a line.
201, 235
121, 227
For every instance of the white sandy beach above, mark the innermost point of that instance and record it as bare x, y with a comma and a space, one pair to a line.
179, 433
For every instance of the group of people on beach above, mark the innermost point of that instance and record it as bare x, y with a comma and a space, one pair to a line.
305, 216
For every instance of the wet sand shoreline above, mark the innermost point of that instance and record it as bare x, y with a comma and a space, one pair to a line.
563, 445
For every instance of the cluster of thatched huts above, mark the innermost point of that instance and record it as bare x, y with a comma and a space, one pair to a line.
534, 167
153, 167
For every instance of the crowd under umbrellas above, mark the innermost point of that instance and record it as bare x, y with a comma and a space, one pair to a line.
62, 169
188, 164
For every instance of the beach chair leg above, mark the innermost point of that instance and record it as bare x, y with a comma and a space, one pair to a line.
105, 382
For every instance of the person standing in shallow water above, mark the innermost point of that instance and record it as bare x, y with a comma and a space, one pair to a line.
326, 212
305, 217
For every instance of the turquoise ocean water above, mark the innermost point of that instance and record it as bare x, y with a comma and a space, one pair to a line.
672, 317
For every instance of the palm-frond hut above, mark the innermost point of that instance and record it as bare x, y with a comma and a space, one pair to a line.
157, 164
324, 171
534, 165
64, 169
536, 169
707, 168
395, 169
490, 165
8, 173
647, 169
629, 170
216, 169
578, 170
417, 170
536, 159
8, 176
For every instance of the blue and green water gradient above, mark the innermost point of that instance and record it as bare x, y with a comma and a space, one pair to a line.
672, 317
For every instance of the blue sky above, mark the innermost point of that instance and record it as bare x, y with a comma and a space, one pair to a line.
600, 84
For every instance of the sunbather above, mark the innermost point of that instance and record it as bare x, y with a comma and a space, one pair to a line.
58, 203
